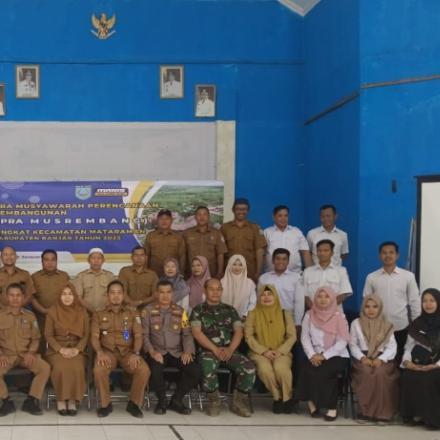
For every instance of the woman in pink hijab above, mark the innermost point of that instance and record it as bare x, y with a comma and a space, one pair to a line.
324, 337
199, 275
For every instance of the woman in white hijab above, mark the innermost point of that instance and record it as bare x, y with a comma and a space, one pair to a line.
239, 291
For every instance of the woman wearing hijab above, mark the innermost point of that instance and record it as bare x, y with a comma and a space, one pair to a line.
324, 337
172, 274
66, 333
420, 387
196, 283
238, 289
270, 333
374, 372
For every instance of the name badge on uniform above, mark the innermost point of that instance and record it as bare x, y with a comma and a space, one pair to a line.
126, 335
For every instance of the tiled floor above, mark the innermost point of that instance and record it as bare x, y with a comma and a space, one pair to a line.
262, 425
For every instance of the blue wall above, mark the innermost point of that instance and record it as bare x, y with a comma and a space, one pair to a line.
332, 142
353, 153
399, 124
252, 51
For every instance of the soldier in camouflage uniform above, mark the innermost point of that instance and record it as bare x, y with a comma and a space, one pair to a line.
218, 330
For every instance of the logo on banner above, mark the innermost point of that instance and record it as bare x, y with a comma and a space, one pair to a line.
83, 192
111, 192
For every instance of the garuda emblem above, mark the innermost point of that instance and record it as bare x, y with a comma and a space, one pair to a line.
103, 26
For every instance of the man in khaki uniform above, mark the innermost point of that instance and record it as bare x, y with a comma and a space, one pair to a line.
10, 273
139, 281
245, 238
203, 239
19, 341
116, 337
91, 284
169, 342
163, 243
48, 283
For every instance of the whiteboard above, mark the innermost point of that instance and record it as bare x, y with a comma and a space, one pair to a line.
429, 224
107, 150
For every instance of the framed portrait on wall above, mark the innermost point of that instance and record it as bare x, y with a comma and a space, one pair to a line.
205, 100
27, 81
171, 82
2, 99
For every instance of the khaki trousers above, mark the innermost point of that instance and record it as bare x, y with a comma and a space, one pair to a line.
140, 374
40, 368
276, 375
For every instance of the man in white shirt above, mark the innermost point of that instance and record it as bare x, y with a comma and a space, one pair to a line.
325, 273
172, 88
27, 88
328, 230
205, 106
288, 284
398, 290
282, 235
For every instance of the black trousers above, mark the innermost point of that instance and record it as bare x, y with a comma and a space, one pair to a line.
190, 375
400, 336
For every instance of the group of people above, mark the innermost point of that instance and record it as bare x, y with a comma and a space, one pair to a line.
276, 304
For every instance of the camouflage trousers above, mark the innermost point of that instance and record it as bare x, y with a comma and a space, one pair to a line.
243, 368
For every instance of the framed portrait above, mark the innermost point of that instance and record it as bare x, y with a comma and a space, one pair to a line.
205, 100
27, 81
2, 100
171, 82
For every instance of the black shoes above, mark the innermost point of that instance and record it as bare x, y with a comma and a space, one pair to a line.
290, 406
105, 411
178, 406
62, 412
328, 418
31, 405
7, 407
316, 414
277, 407
72, 412
161, 407
134, 410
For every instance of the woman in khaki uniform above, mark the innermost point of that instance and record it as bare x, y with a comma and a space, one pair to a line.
270, 333
67, 333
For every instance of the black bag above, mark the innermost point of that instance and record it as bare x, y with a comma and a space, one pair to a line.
422, 356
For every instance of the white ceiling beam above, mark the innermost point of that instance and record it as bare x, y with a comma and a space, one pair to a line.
302, 8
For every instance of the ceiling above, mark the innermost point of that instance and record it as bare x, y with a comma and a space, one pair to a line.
301, 7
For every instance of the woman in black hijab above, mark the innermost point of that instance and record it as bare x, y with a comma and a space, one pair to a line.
420, 394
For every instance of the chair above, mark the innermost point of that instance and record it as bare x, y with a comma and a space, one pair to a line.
344, 386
